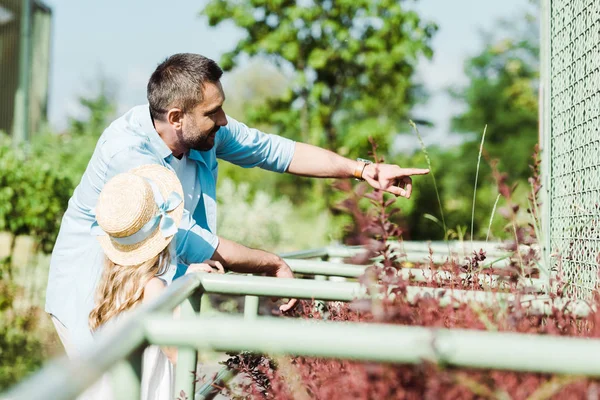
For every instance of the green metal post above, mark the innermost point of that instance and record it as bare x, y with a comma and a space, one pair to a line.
250, 307
187, 357
127, 376
21, 117
545, 136
320, 305
211, 388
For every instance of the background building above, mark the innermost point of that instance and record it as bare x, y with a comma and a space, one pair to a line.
24, 63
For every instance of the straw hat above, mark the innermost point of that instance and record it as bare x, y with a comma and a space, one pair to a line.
138, 213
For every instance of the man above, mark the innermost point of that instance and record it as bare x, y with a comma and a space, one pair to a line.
185, 129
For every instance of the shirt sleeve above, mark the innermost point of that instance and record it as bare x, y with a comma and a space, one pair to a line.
248, 147
194, 244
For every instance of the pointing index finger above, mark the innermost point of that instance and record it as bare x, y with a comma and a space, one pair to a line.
415, 171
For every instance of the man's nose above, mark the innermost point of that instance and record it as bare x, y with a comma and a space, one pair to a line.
222, 118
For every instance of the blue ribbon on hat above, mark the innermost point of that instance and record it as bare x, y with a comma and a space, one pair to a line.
162, 219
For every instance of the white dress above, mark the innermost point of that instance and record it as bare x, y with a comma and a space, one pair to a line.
158, 379
158, 375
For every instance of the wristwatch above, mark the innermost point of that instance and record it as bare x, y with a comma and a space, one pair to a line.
360, 168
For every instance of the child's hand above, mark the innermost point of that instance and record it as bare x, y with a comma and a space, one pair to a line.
209, 266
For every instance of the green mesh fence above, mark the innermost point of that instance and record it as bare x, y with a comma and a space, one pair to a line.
572, 108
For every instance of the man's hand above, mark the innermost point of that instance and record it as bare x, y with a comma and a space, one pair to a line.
244, 260
391, 178
284, 271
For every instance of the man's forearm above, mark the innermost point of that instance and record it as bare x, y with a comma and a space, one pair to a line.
239, 258
316, 162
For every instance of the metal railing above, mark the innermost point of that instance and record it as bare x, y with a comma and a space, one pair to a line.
119, 347
324, 268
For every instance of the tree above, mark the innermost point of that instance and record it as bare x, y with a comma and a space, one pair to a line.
350, 63
100, 108
502, 94
73, 149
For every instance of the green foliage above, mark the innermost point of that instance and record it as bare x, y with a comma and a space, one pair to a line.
502, 93
350, 64
67, 153
264, 219
100, 109
71, 151
257, 220
248, 87
455, 176
21, 351
252, 85
33, 195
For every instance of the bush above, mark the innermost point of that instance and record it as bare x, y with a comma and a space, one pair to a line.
314, 378
33, 195
258, 220
21, 350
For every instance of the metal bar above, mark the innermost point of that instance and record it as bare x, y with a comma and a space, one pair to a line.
545, 131
277, 287
425, 258
312, 267
535, 304
126, 376
348, 291
64, 379
384, 343
319, 305
493, 250
211, 388
501, 261
187, 357
250, 307
311, 253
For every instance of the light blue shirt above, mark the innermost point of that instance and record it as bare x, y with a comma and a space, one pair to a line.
131, 141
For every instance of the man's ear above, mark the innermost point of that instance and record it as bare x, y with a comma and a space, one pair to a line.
175, 118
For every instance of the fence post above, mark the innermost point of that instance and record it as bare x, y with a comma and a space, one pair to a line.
187, 357
126, 376
250, 307
545, 136
320, 305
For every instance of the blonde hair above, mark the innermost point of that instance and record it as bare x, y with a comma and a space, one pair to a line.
121, 287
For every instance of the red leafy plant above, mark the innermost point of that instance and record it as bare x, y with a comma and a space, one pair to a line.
316, 378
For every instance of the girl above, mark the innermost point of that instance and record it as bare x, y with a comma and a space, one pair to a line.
137, 216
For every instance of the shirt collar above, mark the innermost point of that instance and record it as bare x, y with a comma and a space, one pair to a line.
199, 156
145, 120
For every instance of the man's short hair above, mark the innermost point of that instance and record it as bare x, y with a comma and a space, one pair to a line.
179, 81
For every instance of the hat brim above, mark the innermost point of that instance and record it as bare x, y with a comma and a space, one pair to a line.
155, 243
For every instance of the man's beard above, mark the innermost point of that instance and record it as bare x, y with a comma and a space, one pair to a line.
201, 142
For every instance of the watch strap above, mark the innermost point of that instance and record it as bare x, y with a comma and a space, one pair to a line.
360, 168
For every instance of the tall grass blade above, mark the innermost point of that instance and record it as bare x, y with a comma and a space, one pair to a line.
476, 178
437, 193
538, 232
492, 218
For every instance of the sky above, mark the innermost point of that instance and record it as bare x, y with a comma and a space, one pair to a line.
124, 40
